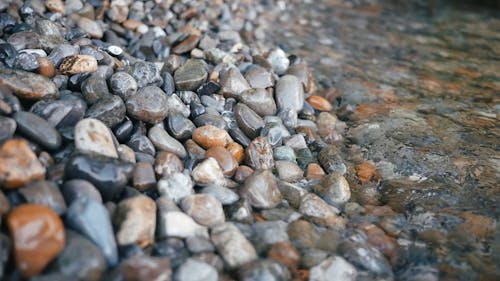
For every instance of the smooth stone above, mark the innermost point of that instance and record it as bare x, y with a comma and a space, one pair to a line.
241, 211
242, 173
46, 67
261, 190
91, 219
278, 60
331, 161
25, 40
178, 224
208, 136
18, 164
167, 163
180, 127
249, 121
176, 105
304, 157
61, 51
124, 130
289, 93
168, 83
267, 233
190, 75
38, 237
109, 110
208, 88
210, 119
286, 254
148, 105
289, 118
75, 64
314, 171
195, 270
91, 27
186, 45
319, 103
289, 171
302, 71
225, 195
108, 175
65, 112
140, 143
172, 248
44, 193
123, 84
260, 100
37, 129
195, 151
205, 209
197, 109
284, 153
135, 221
8, 127
208, 172
239, 136
226, 161
233, 83
94, 88
333, 268
334, 189
318, 211
126, 153
237, 151
26, 61
292, 193
232, 245
326, 125
140, 267
303, 234
296, 142
27, 85
265, 270
176, 186
80, 258
93, 137
145, 74
259, 77
164, 142
144, 176
74, 189
259, 154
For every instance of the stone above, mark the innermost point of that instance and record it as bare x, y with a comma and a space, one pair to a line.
37, 129
126, 153
145, 74
318, 211
135, 221
8, 126
242, 173
237, 151
331, 161
232, 245
303, 234
18, 164
259, 154
233, 83
35, 247
109, 110
91, 27
61, 51
148, 105
108, 175
144, 176
93, 88
208, 136
319, 103
176, 186
190, 75
289, 171
205, 209
91, 219
289, 93
74, 189
140, 267
75, 64
80, 258
65, 112
261, 190
46, 67
141, 143
269, 232
260, 100
278, 60
27, 85
326, 123
195, 270
123, 84
178, 224
213, 119
44, 193
93, 137
186, 45
223, 194
264, 270
197, 245
249, 121
259, 77
172, 248
224, 158
164, 142
167, 163
26, 61
4, 205
333, 268
286, 254
180, 127
334, 189
284, 153
208, 172
314, 171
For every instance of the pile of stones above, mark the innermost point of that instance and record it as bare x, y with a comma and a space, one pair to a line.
145, 140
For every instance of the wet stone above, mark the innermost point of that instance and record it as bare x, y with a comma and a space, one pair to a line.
261, 190
190, 75
198, 245
93, 137
108, 175
195, 270
44, 193
168, 83
289, 171
94, 88
269, 232
167, 163
124, 130
123, 84
331, 161
260, 100
75, 64
334, 189
37, 129
140, 143
208, 88
74, 189
248, 120
18, 164
208, 136
109, 110
210, 119
223, 194
35, 247
303, 234
259, 77
176, 186
65, 112
91, 27
208, 172
8, 127
205, 209
148, 105
226, 161
145, 73
234, 248
179, 126
135, 221
61, 51
319, 103
314, 171
146, 268
259, 154
304, 157
28, 85
164, 142
233, 83
289, 93
91, 219
26, 61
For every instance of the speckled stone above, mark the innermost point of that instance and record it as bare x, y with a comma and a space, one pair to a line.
190, 75
28, 85
261, 190
135, 221
75, 64
205, 209
18, 164
148, 105
93, 137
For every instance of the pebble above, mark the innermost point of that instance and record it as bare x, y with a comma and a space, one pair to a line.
37, 129
180, 127
278, 60
61, 51
123, 84
135, 221
93, 137
259, 77
303, 234
233, 83
289, 171
261, 190
74, 189
109, 110
260, 100
140, 143
26, 61
93, 88
8, 126
333, 268
195, 270
190, 75
186, 45
18, 164
65, 112
108, 175
167, 163
232, 245
91, 219
208, 172
145, 74
91, 27
75, 64
334, 189
284, 153
148, 105
289, 93
326, 125
314, 171
178, 224
249, 121
144, 176
236, 151
208, 136
319, 103
197, 245
164, 142
318, 211
27, 85
301, 71
286, 254
331, 161
267, 233
140, 267
264, 270
224, 158
259, 154
4, 206
44, 193
223, 194
205, 209
213, 119
176, 186
46, 67
35, 247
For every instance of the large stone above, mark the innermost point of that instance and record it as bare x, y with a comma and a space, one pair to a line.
333, 268
44, 193
135, 221
205, 209
289, 93
148, 105
93, 137
18, 164
190, 75
37, 129
232, 245
164, 142
261, 190
75, 64
28, 85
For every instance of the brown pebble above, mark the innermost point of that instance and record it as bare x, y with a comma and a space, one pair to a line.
167, 163
56, 6
242, 173
46, 67
187, 45
366, 172
314, 171
319, 103
286, 254
144, 176
131, 24
38, 235
208, 136
380, 240
224, 158
18, 164
78, 64
237, 151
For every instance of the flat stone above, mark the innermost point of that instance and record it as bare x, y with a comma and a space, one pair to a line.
261, 190
75, 64
233, 83
334, 189
140, 267
249, 121
289, 93
289, 171
232, 245
190, 75
37, 129
195, 270
135, 221
74, 189
164, 142
109, 110
35, 247
44, 193
178, 224
176, 186
123, 84
225, 159
259, 154
93, 137
18, 164
208, 136
91, 27
28, 85
260, 100
205, 209
148, 105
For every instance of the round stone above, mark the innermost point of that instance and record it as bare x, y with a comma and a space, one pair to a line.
18, 164
148, 105
37, 129
205, 209
123, 84
261, 190
208, 136
92, 136
75, 64
190, 75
